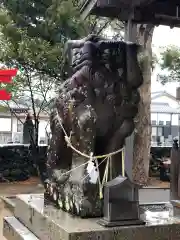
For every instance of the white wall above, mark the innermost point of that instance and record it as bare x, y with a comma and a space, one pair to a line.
14, 124
165, 117
42, 125
5, 125
160, 117
175, 119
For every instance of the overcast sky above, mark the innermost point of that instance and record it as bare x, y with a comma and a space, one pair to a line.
162, 37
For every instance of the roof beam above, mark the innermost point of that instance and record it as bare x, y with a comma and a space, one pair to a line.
88, 5
87, 8
156, 12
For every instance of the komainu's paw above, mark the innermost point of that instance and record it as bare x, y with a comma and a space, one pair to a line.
60, 176
85, 208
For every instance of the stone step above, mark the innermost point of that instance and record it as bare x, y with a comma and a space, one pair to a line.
14, 230
9, 202
41, 219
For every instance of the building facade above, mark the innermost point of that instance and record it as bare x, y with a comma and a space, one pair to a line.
165, 113
164, 119
11, 124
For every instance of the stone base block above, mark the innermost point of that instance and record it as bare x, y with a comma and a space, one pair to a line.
106, 223
176, 208
14, 230
49, 223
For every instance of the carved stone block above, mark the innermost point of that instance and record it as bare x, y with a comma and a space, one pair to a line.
121, 203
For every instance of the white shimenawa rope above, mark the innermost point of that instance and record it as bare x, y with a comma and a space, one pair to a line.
93, 158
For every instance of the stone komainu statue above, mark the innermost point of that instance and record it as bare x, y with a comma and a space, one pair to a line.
96, 107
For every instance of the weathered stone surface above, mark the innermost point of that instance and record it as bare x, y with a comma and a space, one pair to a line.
176, 208
28, 130
47, 223
175, 172
96, 106
121, 203
14, 230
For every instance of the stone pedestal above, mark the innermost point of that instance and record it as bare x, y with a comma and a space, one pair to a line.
35, 220
176, 208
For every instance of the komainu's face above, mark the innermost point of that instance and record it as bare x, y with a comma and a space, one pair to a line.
110, 67
111, 54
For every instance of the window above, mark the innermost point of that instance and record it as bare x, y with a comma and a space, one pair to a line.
153, 122
161, 123
168, 123
167, 131
19, 126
